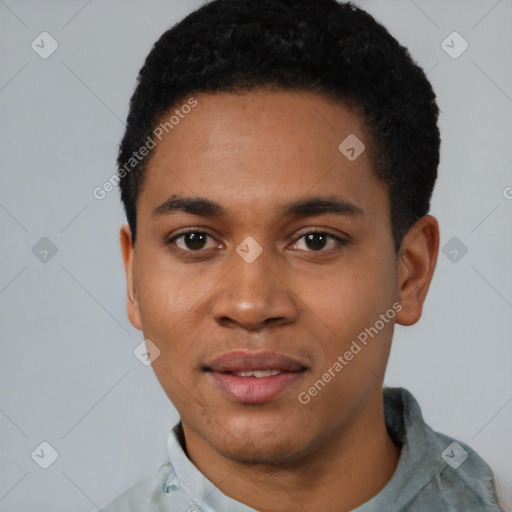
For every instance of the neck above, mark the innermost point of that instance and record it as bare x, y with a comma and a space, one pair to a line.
342, 474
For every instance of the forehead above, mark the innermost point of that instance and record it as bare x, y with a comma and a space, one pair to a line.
256, 148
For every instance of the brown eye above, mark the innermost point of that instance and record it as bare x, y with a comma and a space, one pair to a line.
191, 241
195, 241
316, 241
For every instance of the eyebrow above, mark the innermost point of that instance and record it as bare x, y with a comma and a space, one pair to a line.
300, 208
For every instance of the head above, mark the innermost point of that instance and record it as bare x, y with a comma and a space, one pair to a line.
297, 144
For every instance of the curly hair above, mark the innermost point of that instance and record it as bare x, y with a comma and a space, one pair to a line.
331, 48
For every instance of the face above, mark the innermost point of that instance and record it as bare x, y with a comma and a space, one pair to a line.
262, 253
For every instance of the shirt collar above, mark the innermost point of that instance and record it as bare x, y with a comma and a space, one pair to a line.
417, 464
199, 490
420, 455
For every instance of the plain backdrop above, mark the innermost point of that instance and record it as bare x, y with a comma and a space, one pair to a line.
68, 374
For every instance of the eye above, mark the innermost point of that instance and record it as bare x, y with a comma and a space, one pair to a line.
195, 240
316, 241
191, 241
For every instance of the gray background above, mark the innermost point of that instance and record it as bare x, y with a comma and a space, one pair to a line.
68, 374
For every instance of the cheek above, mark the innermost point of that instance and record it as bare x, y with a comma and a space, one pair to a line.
165, 295
170, 302
345, 309
348, 298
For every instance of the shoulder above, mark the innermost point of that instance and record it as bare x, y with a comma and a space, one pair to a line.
438, 471
465, 477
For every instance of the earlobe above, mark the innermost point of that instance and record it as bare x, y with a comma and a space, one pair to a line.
128, 253
416, 264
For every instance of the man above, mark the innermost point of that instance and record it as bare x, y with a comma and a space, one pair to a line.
276, 172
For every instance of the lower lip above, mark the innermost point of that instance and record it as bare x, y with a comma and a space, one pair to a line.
253, 390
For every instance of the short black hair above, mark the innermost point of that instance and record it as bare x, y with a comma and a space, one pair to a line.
331, 48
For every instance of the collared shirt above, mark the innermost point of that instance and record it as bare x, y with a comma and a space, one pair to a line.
435, 473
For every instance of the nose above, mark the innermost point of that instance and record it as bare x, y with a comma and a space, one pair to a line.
254, 296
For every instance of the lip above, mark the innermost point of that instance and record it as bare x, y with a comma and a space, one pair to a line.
254, 390
245, 360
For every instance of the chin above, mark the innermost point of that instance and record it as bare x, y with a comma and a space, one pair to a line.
252, 452
258, 442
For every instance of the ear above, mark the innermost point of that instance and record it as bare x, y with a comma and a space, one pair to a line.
128, 251
417, 260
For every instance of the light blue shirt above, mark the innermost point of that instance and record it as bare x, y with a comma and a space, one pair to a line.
435, 473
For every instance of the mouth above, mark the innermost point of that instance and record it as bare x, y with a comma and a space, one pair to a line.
254, 377
259, 374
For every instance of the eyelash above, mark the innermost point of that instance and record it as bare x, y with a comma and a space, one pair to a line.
340, 242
